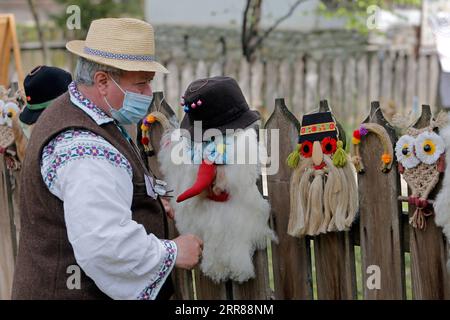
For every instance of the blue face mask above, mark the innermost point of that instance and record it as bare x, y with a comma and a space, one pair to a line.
134, 107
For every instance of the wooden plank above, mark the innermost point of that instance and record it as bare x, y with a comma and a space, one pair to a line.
257, 288
325, 79
271, 81
386, 78
399, 82
182, 278
375, 76
187, 77
291, 256
244, 78
216, 69
208, 290
334, 260
173, 89
337, 87
16, 51
231, 68
433, 89
257, 77
201, 71
411, 81
422, 76
298, 105
311, 84
430, 279
362, 82
6, 52
380, 217
285, 82
350, 92
6, 236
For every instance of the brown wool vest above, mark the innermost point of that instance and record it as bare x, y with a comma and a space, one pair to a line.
45, 252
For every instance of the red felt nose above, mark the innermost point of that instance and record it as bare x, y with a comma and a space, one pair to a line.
205, 177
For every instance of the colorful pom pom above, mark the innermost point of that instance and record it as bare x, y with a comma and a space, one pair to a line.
386, 158
150, 118
144, 127
294, 157
340, 157
357, 134
186, 109
145, 140
363, 130
355, 140
199, 102
193, 105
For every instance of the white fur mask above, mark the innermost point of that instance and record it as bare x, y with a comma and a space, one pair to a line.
231, 230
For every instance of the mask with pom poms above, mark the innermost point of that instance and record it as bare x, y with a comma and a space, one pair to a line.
420, 155
323, 185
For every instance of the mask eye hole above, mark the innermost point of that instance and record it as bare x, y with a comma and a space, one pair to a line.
404, 151
328, 145
306, 149
429, 146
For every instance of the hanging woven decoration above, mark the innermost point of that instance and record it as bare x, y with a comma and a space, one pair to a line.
386, 158
215, 178
323, 190
420, 155
155, 116
9, 110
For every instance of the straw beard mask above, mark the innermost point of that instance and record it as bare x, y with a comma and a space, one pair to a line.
323, 185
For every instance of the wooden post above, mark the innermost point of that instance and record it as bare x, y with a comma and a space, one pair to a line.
7, 235
428, 247
380, 218
334, 257
291, 256
182, 279
8, 40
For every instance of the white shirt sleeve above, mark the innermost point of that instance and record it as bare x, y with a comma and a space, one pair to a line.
112, 249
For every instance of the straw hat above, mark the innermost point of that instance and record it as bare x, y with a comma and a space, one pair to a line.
123, 43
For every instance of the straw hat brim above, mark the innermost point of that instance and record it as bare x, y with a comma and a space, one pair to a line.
77, 47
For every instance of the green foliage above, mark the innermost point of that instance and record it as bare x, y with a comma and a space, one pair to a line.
357, 12
96, 9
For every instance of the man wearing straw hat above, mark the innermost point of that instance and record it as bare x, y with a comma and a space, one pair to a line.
93, 227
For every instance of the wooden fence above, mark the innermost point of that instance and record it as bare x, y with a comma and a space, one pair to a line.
399, 79
324, 267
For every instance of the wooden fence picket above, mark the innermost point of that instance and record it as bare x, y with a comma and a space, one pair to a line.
380, 218
430, 279
291, 256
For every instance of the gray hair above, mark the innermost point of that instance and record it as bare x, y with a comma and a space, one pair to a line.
86, 69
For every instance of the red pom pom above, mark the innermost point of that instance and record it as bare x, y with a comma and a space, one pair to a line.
357, 134
145, 141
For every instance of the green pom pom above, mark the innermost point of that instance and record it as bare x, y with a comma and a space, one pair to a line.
294, 158
340, 157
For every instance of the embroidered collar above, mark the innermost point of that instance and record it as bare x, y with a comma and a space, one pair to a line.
99, 116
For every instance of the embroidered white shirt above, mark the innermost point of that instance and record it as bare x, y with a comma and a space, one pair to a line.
94, 180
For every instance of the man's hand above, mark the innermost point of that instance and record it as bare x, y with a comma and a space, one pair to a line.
190, 249
169, 210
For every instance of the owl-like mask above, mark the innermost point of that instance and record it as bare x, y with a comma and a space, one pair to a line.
421, 158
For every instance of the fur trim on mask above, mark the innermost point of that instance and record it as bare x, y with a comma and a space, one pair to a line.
231, 230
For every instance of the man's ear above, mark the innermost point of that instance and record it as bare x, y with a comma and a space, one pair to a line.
101, 82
